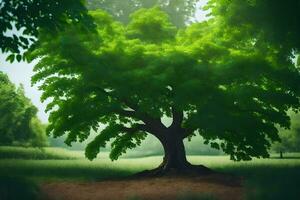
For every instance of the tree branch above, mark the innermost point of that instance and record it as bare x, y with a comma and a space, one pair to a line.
187, 132
177, 118
154, 126
135, 128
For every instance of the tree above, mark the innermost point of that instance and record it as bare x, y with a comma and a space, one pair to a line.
128, 77
20, 21
18, 121
180, 11
290, 139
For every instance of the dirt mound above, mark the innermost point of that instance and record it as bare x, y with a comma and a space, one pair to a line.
165, 188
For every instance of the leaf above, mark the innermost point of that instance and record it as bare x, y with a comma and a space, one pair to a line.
19, 57
24, 40
10, 58
215, 145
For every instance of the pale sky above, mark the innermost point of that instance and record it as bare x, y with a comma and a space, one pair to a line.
20, 73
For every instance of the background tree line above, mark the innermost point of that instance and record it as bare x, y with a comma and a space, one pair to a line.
19, 124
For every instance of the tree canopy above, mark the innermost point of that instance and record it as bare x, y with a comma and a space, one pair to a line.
233, 92
180, 11
18, 121
276, 21
20, 21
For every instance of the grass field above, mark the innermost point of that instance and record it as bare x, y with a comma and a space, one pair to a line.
263, 178
7, 152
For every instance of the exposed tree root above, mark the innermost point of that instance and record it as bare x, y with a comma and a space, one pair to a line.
187, 170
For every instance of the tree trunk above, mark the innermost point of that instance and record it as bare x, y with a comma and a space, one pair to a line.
281, 154
174, 161
174, 150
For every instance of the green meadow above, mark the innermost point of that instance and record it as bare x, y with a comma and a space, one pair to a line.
271, 178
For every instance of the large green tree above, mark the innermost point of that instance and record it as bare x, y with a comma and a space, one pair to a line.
18, 121
232, 92
20, 21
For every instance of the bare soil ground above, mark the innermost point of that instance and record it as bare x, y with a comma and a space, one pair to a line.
164, 188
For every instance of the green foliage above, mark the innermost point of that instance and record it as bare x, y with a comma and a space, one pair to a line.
39, 131
93, 148
290, 139
21, 20
119, 146
18, 121
229, 89
180, 11
274, 21
151, 25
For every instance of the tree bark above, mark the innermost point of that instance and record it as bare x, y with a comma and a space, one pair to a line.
174, 160
174, 152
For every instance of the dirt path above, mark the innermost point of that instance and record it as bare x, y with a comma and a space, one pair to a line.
167, 188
